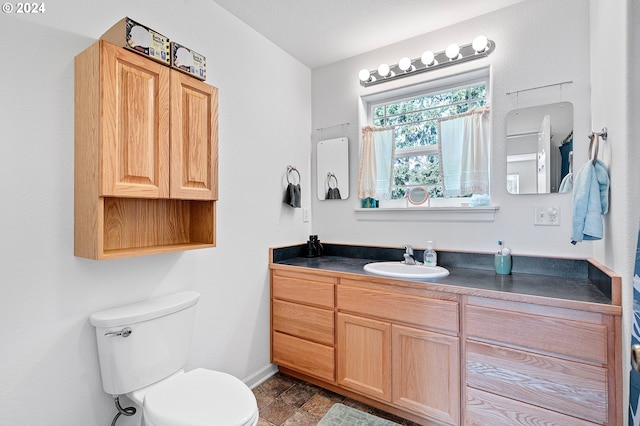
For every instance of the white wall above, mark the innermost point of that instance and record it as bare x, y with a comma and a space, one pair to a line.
614, 100
537, 43
48, 361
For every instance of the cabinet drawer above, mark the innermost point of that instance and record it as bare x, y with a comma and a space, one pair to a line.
485, 409
398, 307
304, 356
573, 339
303, 321
569, 387
300, 289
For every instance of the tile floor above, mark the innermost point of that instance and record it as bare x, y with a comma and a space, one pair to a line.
287, 401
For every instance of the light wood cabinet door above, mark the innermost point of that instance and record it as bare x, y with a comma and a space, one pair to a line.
364, 356
134, 159
194, 139
426, 373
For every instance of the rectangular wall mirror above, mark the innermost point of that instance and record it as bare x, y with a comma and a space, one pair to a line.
539, 148
332, 167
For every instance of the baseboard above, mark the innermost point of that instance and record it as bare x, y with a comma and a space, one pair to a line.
261, 375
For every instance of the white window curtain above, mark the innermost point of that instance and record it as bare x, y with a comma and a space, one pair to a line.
376, 162
464, 152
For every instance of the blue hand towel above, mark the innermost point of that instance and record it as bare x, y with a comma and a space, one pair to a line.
590, 201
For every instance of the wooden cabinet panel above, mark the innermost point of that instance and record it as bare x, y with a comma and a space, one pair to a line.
135, 125
122, 197
302, 321
194, 130
399, 307
426, 373
309, 290
364, 356
301, 355
486, 409
569, 387
573, 339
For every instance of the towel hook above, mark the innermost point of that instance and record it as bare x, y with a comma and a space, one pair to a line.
330, 175
593, 147
291, 169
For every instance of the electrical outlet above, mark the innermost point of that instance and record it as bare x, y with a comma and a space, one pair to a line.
305, 214
547, 216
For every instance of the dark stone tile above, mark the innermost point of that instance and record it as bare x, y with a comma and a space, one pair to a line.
262, 399
298, 394
277, 412
302, 418
320, 404
275, 385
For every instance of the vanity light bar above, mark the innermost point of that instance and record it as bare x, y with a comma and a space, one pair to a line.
429, 61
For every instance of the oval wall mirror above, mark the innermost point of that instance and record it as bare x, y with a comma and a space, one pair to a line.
418, 195
539, 148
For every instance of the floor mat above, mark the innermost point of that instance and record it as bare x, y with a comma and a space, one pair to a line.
342, 415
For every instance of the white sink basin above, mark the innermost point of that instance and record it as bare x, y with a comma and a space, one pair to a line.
401, 270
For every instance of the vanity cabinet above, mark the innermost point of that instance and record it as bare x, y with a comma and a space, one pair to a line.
528, 364
302, 323
145, 156
400, 347
446, 354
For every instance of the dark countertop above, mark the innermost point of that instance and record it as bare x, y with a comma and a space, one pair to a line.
567, 279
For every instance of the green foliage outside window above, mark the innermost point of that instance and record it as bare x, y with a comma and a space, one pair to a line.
417, 162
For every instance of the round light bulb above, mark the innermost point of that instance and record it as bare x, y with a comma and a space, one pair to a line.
383, 70
364, 75
452, 51
480, 43
405, 64
428, 58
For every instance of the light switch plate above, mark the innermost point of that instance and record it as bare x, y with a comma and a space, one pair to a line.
547, 215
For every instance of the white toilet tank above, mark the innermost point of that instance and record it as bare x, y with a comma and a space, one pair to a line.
157, 346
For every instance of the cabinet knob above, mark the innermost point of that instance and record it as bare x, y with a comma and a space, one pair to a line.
635, 356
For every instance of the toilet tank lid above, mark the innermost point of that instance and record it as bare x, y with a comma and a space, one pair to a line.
145, 310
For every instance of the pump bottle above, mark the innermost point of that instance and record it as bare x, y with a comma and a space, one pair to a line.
430, 256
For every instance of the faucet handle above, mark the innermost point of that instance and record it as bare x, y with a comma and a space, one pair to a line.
409, 249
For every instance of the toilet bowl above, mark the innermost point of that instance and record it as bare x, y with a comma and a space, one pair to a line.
143, 348
199, 397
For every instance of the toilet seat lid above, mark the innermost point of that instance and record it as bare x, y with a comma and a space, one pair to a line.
201, 397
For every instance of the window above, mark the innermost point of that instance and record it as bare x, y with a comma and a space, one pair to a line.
415, 119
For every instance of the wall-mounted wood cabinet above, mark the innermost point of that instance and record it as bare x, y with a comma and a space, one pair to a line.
146, 156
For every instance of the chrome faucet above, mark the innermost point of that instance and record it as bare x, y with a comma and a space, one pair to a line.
408, 255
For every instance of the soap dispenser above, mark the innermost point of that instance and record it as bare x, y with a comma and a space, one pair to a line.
430, 256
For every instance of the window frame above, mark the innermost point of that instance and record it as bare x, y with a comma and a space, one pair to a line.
460, 81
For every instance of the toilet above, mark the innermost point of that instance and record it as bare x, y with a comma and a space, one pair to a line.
143, 348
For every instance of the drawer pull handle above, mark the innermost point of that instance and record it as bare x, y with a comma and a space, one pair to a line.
635, 357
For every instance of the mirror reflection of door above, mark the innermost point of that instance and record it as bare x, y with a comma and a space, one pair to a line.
539, 147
